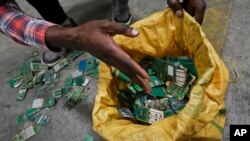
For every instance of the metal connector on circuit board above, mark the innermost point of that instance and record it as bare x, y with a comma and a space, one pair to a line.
63, 63
22, 93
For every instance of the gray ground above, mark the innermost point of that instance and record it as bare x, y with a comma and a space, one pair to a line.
74, 125
236, 56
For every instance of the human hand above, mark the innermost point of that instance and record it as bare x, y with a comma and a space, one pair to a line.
95, 38
195, 8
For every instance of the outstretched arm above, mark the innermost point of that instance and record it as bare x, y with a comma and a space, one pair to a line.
94, 37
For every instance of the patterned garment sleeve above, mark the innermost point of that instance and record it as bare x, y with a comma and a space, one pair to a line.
22, 28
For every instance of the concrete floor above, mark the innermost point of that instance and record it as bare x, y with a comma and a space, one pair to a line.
74, 125
236, 54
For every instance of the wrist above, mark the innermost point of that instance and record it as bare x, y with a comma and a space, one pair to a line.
58, 37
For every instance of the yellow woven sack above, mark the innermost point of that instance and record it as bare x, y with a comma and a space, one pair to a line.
203, 118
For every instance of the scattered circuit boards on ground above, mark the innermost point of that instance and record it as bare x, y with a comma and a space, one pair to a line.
171, 82
45, 80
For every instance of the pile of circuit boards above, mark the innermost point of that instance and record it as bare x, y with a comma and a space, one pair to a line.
171, 82
46, 80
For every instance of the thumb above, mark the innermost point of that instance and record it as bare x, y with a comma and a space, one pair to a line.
176, 7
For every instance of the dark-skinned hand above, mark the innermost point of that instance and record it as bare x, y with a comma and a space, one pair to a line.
195, 8
95, 38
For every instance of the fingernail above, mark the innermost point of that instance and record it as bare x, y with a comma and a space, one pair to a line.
178, 13
135, 31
